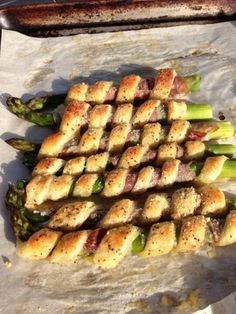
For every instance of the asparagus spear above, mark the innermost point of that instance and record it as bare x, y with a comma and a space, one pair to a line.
24, 222
29, 150
228, 172
198, 112
46, 102
22, 111
120, 181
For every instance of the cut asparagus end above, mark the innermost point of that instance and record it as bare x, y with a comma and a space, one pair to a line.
17, 107
198, 112
224, 129
220, 149
46, 102
21, 144
193, 82
229, 169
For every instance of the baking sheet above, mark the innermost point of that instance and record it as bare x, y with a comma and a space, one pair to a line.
62, 17
179, 283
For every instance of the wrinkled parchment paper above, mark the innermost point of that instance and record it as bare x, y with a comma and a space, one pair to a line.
175, 284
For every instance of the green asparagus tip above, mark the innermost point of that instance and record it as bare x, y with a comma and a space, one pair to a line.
199, 112
193, 82
46, 102
20, 109
21, 144
220, 149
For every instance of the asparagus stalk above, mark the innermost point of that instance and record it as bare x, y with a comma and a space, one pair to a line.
22, 111
229, 169
24, 222
29, 150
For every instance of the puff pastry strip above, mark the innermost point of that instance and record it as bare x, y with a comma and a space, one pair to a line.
208, 200
132, 87
152, 134
108, 248
120, 181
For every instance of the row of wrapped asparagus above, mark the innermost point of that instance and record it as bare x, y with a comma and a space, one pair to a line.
120, 181
126, 228
132, 88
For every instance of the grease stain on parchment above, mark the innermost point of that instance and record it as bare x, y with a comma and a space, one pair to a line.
232, 110
38, 75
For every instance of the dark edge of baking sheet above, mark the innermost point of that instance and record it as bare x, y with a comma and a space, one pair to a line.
58, 19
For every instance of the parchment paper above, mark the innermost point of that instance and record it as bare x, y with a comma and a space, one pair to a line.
175, 284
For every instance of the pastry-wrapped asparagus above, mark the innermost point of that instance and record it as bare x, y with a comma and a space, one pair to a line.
208, 201
108, 116
133, 157
107, 248
61, 144
120, 181
133, 88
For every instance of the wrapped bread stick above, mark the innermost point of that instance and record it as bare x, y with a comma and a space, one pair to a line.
133, 88
107, 248
120, 181
131, 158
95, 140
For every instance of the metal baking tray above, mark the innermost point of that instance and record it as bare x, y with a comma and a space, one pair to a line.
89, 16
